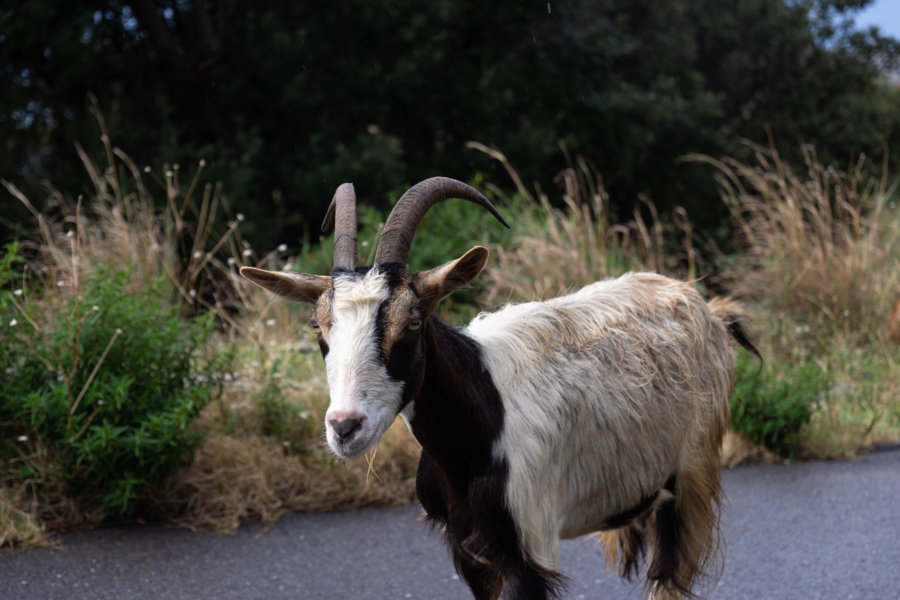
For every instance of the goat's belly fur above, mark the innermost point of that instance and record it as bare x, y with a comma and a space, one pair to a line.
607, 393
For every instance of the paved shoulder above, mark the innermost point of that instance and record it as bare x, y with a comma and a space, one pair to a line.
816, 530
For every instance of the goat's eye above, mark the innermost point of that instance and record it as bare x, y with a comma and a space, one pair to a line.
314, 323
414, 324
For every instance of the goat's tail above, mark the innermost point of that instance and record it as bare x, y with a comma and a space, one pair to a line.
736, 321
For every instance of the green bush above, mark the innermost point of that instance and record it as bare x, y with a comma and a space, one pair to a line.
772, 404
99, 388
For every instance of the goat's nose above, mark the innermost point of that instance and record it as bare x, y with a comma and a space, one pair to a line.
345, 429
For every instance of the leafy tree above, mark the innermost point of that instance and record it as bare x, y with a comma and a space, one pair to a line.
286, 100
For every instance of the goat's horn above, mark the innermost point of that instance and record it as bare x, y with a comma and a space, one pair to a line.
400, 228
342, 214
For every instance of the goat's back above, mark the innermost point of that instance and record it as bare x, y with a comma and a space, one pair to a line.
607, 392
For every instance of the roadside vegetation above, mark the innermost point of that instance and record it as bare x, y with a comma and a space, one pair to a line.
143, 378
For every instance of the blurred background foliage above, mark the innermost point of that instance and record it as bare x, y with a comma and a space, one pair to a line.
286, 100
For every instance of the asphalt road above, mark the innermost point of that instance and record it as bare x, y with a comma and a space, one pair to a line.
828, 530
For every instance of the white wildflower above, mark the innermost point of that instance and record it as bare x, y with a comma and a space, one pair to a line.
13, 323
282, 247
23, 438
18, 292
198, 254
304, 414
247, 252
270, 323
95, 308
239, 217
192, 293
231, 261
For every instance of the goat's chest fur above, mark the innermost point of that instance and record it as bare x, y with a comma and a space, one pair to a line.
606, 393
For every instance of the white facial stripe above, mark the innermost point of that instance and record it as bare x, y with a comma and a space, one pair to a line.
357, 380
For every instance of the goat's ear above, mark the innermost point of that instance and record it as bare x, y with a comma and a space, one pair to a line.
293, 286
438, 283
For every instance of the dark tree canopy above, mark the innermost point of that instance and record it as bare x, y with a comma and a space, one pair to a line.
286, 100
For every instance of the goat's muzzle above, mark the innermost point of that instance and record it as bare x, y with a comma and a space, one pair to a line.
345, 429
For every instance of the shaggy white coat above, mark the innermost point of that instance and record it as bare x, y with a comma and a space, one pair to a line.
607, 392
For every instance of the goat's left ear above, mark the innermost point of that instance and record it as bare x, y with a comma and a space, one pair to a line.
436, 284
299, 287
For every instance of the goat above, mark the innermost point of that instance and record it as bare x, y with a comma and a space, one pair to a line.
601, 410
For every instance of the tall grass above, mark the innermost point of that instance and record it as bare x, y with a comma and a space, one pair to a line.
820, 243
557, 250
820, 265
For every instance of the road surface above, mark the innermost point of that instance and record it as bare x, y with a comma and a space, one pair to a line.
815, 530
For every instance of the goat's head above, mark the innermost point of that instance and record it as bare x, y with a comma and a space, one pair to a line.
370, 321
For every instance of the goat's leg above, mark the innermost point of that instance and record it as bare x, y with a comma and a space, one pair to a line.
624, 548
684, 533
483, 578
530, 582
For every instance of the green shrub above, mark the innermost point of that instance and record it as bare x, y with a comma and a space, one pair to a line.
99, 385
771, 405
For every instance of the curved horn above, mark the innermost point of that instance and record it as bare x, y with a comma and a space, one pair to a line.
400, 228
342, 214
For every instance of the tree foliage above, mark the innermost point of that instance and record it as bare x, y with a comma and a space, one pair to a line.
286, 100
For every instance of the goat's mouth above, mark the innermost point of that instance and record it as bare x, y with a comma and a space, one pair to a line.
350, 450
356, 446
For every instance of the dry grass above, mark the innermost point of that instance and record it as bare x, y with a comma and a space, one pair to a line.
820, 269
820, 243
557, 250
265, 452
235, 479
19, 525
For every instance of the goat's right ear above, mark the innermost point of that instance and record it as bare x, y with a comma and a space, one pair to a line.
293, 286
438, 283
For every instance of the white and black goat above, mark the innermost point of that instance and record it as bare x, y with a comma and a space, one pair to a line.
602, 410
